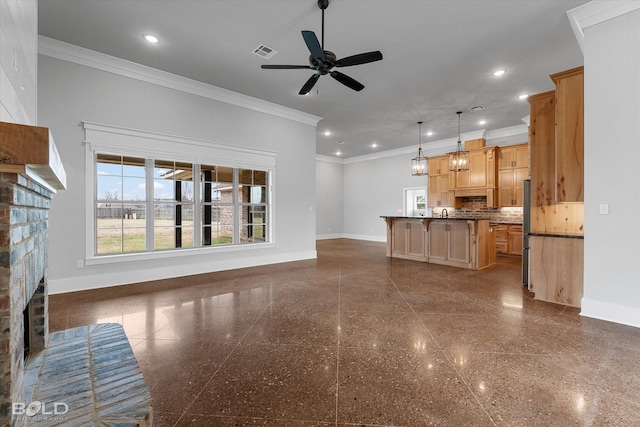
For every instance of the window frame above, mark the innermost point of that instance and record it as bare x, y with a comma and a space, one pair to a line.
113, 140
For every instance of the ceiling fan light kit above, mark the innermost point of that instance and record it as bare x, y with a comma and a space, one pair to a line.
323, 61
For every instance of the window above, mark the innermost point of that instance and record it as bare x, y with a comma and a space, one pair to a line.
120, 204
173, 205
218, 202
230, 208
158, 196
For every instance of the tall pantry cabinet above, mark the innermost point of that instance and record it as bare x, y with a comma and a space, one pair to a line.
556, 264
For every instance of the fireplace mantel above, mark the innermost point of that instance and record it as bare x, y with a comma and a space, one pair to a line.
31, 150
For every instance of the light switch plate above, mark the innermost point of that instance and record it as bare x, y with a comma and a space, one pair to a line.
604, 209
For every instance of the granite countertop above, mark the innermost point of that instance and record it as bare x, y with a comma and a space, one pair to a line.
433, 217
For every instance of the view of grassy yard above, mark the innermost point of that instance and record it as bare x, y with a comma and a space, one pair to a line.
133, 240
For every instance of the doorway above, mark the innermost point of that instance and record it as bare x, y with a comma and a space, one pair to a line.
415, 202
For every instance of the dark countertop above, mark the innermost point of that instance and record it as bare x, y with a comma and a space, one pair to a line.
505, 223
563, 235
433, 217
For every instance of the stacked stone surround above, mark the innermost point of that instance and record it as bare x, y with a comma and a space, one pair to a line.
476, 207
24, 206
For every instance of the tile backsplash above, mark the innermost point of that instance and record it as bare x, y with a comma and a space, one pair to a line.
476, 207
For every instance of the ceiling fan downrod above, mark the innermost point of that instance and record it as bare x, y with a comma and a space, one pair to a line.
323, 4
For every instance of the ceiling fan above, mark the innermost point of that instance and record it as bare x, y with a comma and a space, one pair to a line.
323, 61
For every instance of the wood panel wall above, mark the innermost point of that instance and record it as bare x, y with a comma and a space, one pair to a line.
556, 269
557, 165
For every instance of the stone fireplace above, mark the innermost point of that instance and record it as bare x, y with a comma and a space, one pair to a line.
24, 206
57, 380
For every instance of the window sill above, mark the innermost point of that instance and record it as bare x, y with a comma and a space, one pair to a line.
175, 253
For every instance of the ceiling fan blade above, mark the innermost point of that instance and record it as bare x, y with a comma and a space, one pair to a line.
309, 84
347, 81
313, 44
362, 58
284, 67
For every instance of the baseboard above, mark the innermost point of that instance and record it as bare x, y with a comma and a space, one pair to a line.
329, 236
108, 279
365, 237
351, 236
623, 314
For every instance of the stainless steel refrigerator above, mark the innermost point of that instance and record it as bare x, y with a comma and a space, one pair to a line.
526, 229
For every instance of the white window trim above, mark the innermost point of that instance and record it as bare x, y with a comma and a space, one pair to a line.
131, 142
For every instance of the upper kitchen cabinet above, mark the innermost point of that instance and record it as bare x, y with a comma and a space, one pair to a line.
513, 169
569, 135
480, 179
514, 156
438, 170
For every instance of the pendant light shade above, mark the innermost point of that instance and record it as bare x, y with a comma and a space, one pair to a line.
419, 163
459, 160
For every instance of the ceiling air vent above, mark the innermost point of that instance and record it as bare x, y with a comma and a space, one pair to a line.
264, 51
475, 108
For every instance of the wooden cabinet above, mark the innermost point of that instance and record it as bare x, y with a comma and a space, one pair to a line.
438, 171
476, 176
569, 135
513, 169
480, 179
514, 243
547, 215
514, 156
502, 239
461, 243
406, 238
450, 242
556, 269
508, 239
466, 243
557, 176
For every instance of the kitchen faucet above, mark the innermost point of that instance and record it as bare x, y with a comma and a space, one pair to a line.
445, 214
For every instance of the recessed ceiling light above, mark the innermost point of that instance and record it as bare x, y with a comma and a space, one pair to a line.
523, 96
430, 133
151, 38
338, 153
374, 145
482, 122
340, 142
498, 73
327, 133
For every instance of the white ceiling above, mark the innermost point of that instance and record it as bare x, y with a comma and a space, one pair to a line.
438, 56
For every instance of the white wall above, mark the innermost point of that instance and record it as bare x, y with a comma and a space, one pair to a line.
373, 188
18, 61
70, 93
612, 154
329, 198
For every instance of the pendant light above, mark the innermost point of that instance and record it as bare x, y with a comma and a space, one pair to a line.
419, 163
459, 160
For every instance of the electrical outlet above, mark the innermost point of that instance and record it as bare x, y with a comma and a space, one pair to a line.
80, 263
604, 209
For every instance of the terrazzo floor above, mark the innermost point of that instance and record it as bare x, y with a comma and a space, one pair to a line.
356, 338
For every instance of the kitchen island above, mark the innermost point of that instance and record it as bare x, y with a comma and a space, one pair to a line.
458, 242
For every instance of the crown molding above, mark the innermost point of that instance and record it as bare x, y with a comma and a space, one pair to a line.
89, 58
329, 159
433, 148
596, 12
